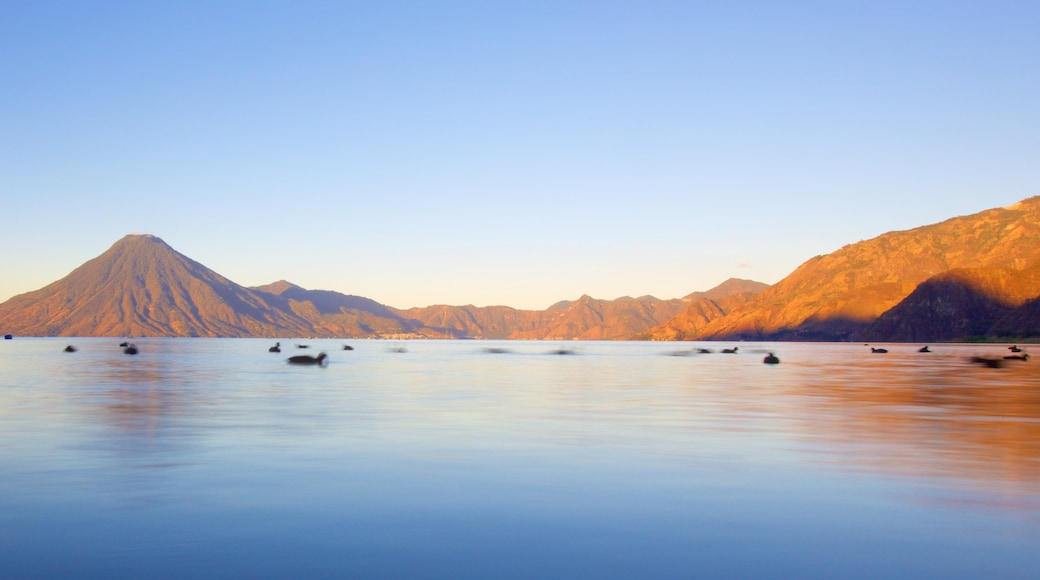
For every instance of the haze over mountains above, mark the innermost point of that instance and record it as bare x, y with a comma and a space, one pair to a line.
969, 276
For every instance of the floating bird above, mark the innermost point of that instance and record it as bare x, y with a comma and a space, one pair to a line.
771, 359
730, 350
303, 346
306, 359
1017, 357
1014, 348
124, 344
704, 351
130, 349
276, 348
878, 350
70, 348
924, 349
347, 347
992, 363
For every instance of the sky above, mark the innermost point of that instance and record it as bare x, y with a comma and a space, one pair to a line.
505, 153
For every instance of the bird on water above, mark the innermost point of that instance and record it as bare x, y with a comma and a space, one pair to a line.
771, 359
993, 363
276, 348
306, 359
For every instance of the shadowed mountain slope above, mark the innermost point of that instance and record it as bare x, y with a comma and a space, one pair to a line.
1022, 322
959, 304
836, 296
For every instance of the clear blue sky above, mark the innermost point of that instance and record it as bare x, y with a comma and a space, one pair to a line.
514, 153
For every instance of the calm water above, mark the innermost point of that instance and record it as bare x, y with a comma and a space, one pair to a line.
214, 458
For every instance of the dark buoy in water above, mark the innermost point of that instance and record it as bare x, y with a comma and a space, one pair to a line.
130, 349
306, 359
771, 359
276, 348
70, 348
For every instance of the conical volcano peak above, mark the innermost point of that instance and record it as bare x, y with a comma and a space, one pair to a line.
143, 249
140, 239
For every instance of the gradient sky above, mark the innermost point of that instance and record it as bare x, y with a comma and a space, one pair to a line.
514, 153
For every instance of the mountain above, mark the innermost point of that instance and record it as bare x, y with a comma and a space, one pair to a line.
1022, 322
962, 303
728, 289
705, 308
966, 276
839, 295
333, 314
586, 319
143, 287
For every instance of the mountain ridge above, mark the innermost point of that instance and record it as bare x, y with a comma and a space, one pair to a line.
141, 286
837, 295
975, 275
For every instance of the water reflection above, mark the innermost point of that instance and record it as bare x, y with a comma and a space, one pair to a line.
938, 417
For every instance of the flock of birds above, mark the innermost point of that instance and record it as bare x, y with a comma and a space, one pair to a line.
770, 359
987, 361
305, 359
1017, 354
128, 348
994, 362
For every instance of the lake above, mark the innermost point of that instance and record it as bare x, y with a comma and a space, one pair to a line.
486, 459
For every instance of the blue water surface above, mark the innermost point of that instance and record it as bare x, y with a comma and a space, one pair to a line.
214, 458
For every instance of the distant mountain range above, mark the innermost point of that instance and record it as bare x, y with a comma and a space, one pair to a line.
143, 287
970, 276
